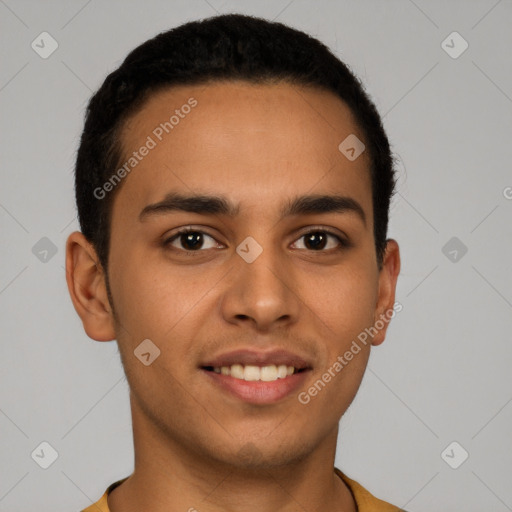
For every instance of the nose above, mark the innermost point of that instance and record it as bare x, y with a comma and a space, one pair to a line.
261, 293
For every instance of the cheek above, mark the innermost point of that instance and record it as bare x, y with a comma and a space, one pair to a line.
154, 299
147, 306
344, 301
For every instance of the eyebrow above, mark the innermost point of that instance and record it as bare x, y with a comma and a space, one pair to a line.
219, 205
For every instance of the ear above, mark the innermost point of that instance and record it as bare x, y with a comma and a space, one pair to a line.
87, 288
387, 286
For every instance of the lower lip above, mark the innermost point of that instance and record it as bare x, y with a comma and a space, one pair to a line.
259, 392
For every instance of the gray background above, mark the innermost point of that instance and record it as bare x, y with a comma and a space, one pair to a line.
442, 375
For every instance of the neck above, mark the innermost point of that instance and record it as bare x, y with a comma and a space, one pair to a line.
169, 477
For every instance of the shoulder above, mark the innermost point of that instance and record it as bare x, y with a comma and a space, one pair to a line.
365, 501
102, 504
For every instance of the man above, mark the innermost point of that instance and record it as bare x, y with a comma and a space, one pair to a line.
233, 184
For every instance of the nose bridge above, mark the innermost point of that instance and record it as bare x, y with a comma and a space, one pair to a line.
260, 285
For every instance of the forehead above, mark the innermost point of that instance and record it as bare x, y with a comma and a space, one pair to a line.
255, 143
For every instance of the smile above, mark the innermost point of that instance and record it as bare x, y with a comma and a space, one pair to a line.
252, 373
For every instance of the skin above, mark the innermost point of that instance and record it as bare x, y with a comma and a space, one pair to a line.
257, 145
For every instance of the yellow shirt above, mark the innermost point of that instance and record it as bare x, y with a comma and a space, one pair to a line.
364, 500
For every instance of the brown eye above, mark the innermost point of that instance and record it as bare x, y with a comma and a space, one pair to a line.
315, 241
320, 240
191, 240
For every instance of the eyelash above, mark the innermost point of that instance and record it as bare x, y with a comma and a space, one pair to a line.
344, 244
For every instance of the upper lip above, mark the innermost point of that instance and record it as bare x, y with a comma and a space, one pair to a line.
258, 358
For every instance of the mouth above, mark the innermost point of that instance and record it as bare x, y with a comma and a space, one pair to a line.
257, 377
252, 373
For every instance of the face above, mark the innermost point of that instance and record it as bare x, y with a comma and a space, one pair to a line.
268, 276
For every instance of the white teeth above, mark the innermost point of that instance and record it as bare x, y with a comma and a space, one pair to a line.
252, 373
237, 371
268, 373
282, 371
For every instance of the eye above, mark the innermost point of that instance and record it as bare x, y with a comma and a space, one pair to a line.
191, 240
321, 240
194, 240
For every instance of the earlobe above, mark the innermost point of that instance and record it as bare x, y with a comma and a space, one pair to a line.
387, 286
86, 284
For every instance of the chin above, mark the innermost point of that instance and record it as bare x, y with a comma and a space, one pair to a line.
260, 455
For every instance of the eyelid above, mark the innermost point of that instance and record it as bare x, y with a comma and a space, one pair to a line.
331, 231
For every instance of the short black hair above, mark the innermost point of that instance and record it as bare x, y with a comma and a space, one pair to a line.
219, 48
